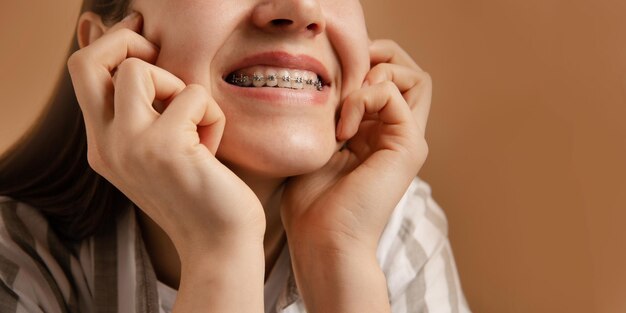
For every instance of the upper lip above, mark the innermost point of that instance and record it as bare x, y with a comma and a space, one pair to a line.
285, 60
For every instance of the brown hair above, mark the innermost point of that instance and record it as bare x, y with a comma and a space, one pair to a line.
48, 167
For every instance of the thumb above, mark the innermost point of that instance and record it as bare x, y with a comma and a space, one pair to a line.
197, 108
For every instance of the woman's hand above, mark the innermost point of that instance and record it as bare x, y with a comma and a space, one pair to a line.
334, 217
349, 200
165, 164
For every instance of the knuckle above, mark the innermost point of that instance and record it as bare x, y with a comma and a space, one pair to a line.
72, 60
130, 66
427, 77
197, 90
381, 69
126, 33
216, 111
390, 43
76, 61
200, 94
389, 87
427, 80
353, 98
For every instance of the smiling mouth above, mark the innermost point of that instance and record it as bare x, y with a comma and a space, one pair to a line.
273, 77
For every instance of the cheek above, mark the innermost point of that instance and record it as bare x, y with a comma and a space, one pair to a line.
349, 37
190, 36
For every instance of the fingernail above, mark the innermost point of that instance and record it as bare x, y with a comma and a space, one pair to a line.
338, 132
131, 16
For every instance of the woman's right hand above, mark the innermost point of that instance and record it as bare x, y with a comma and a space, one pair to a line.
165, 163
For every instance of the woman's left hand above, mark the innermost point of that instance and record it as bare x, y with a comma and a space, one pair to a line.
335, 216
344, 207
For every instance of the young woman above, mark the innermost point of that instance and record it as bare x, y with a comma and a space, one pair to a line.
227, 156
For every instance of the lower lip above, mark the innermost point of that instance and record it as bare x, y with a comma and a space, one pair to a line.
280, 96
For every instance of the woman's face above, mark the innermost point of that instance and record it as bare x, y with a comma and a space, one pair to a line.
276, 132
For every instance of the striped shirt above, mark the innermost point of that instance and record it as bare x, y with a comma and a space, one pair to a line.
111, 271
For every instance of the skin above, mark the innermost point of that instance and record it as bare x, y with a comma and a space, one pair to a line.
215, 218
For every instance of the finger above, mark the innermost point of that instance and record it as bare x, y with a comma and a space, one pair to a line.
120, 45
132, 21
90, 67
363, 146
415, 86
195, 110
404, 77
388, 51
137, 84
383, 98
419, 99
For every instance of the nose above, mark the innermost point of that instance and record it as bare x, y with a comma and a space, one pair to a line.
294, 16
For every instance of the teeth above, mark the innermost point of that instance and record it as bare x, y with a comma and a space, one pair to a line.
271, 78
282, 78
246, 81
258, 79
297, 82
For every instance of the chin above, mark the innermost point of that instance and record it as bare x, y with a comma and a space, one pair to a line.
292, 154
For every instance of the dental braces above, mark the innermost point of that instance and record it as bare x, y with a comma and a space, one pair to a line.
244, 80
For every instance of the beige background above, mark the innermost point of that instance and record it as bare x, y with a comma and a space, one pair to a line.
526, 135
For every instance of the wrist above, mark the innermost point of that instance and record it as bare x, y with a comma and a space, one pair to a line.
340, 281
333, 243
220, 252
221, 277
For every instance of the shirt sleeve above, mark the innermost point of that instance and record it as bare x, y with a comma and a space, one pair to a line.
14, 299
417, 259
30, 279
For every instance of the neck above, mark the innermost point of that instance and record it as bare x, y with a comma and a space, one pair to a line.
163, 254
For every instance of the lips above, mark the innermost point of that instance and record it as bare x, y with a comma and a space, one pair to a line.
280, 59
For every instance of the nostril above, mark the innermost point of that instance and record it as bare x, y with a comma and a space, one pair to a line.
281, 22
